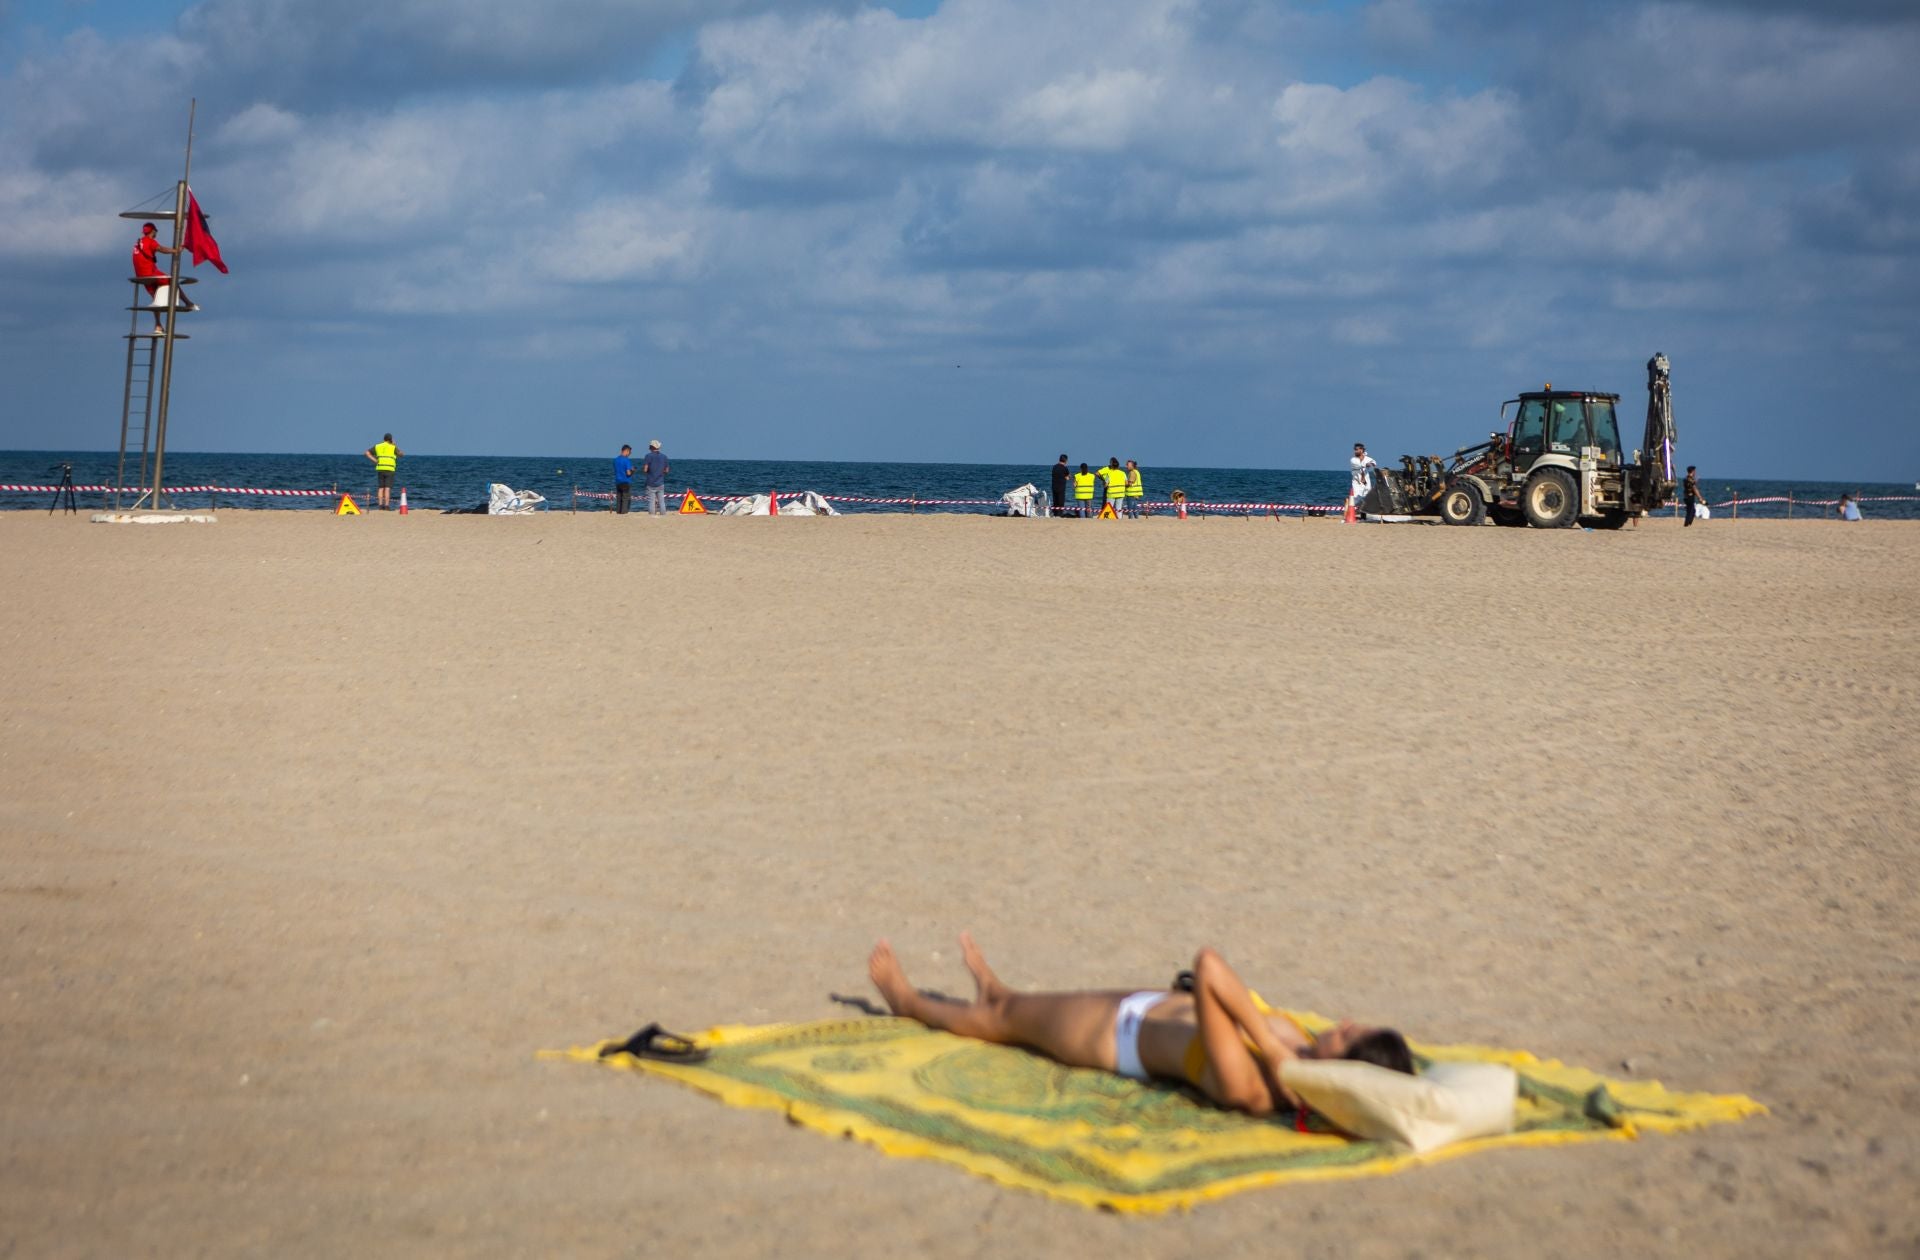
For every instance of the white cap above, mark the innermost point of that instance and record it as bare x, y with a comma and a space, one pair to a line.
654, 445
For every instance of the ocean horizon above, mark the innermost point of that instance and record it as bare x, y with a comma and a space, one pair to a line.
574, 482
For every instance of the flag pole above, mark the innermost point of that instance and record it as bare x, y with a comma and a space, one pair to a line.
173, 306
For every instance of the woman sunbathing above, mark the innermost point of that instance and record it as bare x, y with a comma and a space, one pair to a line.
1213, 1038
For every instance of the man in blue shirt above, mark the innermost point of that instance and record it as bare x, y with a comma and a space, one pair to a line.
623, 479
655, 468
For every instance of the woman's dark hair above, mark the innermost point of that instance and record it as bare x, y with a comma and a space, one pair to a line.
1383, 1047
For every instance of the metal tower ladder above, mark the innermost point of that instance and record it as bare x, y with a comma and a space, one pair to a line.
144, 356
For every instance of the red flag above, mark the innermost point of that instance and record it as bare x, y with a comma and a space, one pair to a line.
198, 241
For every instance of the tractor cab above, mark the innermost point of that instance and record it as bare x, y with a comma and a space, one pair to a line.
1563, 423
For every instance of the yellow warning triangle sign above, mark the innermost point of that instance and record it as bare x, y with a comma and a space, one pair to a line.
691, 505
1107, 513
347, 506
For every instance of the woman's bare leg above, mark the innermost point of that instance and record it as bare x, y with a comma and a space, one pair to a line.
983, 1020
1074, 1028
986, 985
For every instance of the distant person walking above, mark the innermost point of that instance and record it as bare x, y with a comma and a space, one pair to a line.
1691, 489
1362, 465
1083, 492
386, 457
654, 468
1848, 509
1136, 489
623, 480
1060, 474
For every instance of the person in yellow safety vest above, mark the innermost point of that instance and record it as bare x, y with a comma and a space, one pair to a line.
1083, 492
385, 455
1135, 489
1116, 483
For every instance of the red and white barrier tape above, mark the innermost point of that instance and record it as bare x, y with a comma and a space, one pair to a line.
1781, 498
177, 490
290, 494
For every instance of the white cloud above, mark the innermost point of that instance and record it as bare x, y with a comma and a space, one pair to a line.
1098, 109
1733, 82
615, 241
563, 345
305, 50
1364, 330
258, 125
61, 215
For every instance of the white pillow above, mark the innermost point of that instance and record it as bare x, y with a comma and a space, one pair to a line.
1449, 1102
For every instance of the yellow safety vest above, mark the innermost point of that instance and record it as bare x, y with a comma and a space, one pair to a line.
385, 455
1116, 483
1083, 486
1134, 488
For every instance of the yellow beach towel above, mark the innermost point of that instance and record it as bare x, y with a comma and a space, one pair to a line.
1102, 1140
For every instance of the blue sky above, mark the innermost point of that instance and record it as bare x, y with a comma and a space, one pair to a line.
1195, 232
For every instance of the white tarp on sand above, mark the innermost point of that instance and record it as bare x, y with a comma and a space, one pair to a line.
807, 503
1027, 500
506, 501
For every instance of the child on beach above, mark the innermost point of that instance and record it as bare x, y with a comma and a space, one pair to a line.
1213, 1038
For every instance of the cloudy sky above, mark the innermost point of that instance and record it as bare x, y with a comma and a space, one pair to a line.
1196, 232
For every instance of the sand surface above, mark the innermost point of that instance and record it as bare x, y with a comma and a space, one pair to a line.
314, 831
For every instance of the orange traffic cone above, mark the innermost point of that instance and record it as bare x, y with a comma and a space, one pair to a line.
403, 500
773, 503
1350, 515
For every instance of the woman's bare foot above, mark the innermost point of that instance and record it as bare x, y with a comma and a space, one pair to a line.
986, 985
884, 970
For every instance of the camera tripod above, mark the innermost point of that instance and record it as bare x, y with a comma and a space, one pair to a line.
64, 488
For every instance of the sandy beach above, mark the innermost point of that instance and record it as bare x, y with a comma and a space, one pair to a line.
316, 830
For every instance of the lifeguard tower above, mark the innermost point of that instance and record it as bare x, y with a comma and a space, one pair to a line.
150, 345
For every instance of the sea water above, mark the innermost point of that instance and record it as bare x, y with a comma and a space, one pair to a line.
441, 482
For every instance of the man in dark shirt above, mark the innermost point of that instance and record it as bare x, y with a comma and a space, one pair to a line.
1060, 487
1691, 488
655, 469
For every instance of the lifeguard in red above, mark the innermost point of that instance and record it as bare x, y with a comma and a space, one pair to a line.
146, 261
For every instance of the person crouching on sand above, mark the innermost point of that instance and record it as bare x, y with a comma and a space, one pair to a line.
1214, 1039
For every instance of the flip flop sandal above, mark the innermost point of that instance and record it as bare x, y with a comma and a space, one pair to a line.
868, 1007
863, 1005
655, 1042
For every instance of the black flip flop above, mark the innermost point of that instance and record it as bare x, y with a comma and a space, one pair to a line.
867, 1006
864, 1005
655, 1042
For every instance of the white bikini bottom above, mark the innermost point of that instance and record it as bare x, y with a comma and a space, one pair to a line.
1126, 1031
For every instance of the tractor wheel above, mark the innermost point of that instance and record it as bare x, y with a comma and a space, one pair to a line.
1550, 500
1613, 518
1461, 505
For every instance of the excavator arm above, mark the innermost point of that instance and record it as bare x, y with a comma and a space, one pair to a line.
1653, 479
